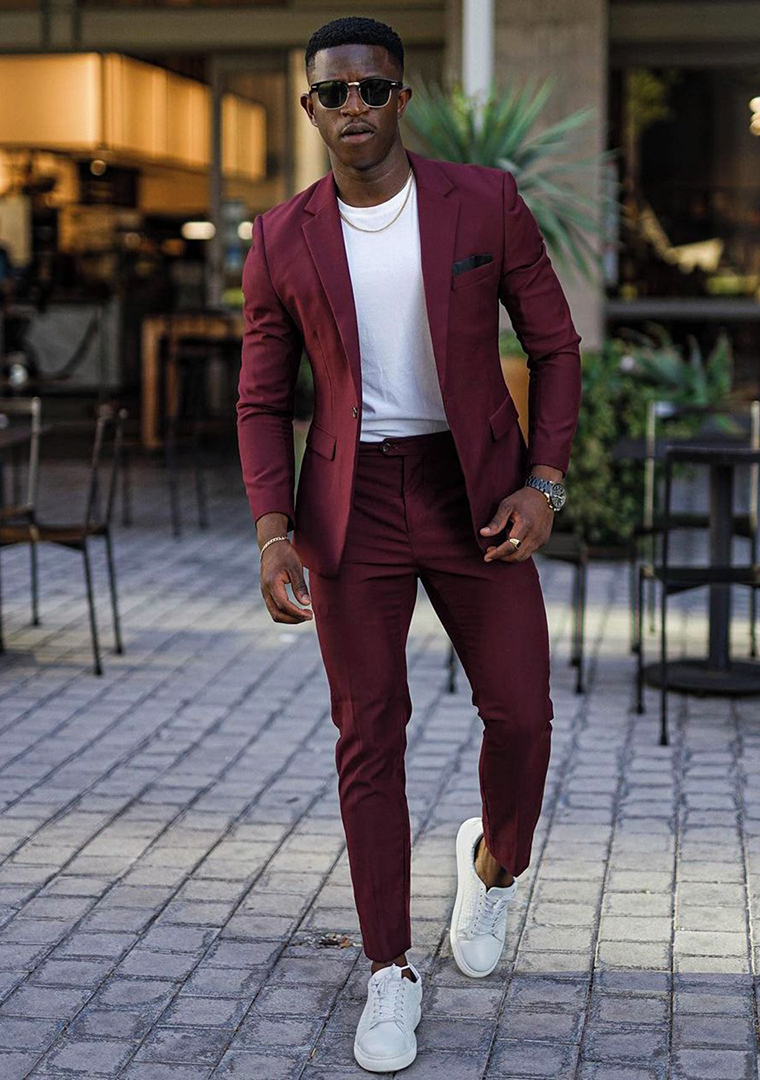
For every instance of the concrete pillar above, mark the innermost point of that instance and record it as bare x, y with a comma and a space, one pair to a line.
308, 154
215, 246
566, 39
477, 46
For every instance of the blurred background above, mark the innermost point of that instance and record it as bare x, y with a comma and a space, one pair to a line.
175, 898
139, 140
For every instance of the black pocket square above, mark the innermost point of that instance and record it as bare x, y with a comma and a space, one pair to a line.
470, 263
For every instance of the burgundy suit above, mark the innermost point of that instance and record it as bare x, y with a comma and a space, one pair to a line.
371, 520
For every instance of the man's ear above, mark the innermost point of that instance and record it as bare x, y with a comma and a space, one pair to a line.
404, 97
308, 107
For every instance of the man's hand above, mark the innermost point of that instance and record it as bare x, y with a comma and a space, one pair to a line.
281, 565
532, 520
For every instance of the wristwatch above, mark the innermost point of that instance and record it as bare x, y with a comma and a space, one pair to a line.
554, 491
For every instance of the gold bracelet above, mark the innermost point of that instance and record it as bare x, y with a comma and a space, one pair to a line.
270, 542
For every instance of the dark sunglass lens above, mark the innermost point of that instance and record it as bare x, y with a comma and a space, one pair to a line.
376, 91
332, 94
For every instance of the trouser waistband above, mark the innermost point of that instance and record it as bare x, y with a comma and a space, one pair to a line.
428, 442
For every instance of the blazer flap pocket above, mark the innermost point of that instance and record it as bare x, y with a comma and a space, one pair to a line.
321, 440
501, 419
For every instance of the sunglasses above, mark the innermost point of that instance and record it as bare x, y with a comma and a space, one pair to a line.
333, 93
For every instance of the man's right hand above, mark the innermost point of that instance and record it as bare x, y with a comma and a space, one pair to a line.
281, 565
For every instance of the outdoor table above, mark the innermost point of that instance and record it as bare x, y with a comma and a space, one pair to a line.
155, 328
717, 673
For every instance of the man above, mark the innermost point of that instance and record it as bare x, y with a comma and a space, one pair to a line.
389, 271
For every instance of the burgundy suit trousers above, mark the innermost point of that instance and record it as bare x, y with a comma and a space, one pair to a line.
410, 519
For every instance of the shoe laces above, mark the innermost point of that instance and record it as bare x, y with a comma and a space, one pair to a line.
487, 914
388, 998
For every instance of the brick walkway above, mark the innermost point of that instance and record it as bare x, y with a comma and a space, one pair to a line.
174, 891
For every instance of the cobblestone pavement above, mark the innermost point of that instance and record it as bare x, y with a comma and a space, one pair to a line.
175, 901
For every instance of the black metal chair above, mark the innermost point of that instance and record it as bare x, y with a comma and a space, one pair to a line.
76, 536
650, 529
680, 578
23, 509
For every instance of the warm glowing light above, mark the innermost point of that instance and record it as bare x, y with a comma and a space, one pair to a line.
245, 230
755, 104
198, 230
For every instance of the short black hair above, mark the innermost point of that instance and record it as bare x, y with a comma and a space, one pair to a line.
355, 30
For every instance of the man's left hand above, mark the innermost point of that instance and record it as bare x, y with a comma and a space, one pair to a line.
532, 520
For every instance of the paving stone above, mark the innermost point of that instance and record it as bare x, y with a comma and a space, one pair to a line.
717, 1064
16, 1064
285, 1035
244, 1066
197, 1046
710, 1030
618, 1042
521, 1058
90, 1057
38, 1001
17, 1033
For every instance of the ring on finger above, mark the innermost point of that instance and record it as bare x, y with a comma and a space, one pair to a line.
515, 541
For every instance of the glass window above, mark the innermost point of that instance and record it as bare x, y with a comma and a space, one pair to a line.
689, 144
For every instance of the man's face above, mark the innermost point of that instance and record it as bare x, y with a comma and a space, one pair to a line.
376, 128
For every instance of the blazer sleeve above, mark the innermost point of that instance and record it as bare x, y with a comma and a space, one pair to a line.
532, 295
271, 355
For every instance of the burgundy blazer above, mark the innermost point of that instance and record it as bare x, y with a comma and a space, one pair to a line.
480, 244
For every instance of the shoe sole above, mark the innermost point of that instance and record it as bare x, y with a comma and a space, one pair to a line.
464, 856
385, 1065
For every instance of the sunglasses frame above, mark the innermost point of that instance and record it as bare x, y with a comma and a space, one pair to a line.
392, 83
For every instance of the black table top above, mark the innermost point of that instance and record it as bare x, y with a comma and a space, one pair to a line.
634, 447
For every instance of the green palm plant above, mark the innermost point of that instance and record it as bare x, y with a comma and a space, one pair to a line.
454, 126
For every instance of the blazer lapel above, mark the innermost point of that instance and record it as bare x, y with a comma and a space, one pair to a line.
438, 211
324, 237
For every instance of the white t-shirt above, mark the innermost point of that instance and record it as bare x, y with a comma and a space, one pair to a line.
401, 394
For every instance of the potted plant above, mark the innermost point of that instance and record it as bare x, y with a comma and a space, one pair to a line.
499, 132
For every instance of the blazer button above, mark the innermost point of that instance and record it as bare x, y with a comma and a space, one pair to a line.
354, 411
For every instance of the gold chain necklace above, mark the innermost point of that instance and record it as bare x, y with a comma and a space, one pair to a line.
406, 199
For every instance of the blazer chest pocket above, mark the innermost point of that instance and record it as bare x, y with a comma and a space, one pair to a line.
471, 269
321, 440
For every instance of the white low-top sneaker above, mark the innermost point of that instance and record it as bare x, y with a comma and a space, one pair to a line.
479, 919
385, 1039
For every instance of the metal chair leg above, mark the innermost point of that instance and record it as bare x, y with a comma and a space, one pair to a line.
35, 584
632, 597
126, 487
580, 685
651, 604
200, 489
172, 473
640, 644
119, 647
196, 395
91, 605
451, 664
663, 669
2, 639
575, 604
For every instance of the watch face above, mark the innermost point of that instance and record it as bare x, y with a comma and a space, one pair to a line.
558, 496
